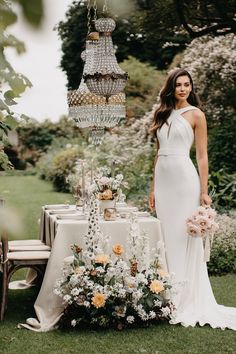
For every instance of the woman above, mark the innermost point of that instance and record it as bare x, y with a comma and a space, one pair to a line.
176, 193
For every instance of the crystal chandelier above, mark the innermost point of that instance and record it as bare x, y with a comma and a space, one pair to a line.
105, 78
93, 111
88, 109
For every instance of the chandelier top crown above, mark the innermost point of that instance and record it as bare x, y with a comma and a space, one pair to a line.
105, 24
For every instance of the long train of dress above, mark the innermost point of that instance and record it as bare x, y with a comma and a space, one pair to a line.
177, 196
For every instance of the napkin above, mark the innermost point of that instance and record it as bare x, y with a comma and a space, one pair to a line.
142, 214
71, 217
62, 211
56, 206
127, 209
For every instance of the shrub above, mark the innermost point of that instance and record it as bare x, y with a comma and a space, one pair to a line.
143, 86
224, 187
223, 253
62, 165
222, 145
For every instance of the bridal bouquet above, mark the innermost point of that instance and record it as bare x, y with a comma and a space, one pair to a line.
106, 186
202, 224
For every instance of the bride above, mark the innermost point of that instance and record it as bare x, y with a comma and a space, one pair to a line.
177, 191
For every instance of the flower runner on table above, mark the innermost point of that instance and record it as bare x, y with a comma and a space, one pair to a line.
110, 291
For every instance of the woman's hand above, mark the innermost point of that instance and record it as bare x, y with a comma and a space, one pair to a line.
205, 199
151, 200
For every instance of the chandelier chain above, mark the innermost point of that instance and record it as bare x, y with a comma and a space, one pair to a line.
105, 6
95, 9
89, 15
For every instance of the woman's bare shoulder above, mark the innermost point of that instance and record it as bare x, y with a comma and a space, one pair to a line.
198, 114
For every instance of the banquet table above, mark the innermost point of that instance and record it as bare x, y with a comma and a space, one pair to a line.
60, 234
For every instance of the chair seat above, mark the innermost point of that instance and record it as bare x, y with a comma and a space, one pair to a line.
25, 256
29, 248
24, 243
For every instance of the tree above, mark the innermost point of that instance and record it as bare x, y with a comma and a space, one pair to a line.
14, 83
210, 16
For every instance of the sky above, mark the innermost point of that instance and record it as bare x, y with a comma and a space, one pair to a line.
40, 64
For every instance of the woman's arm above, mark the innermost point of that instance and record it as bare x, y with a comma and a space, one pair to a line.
201, 154
152, 196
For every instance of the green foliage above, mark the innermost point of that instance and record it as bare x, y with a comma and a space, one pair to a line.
222, 145
223, 253
143, 86
36, 137
14, 83
61, 165
5, 164
223, 186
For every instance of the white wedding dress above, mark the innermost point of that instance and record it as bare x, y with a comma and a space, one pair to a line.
177, 196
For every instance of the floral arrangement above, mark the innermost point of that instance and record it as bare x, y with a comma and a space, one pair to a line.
202, 224
105, 186
106, 290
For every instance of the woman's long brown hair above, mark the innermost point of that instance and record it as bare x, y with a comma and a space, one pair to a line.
167, 98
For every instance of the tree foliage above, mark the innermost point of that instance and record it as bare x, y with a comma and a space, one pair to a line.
13, 84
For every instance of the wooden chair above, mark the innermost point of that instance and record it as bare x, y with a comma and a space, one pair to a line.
13, 261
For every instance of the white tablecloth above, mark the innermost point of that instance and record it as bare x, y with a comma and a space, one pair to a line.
48, 306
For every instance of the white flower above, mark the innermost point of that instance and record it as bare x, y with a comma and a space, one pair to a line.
141, 278
152, 315
157, 303
67, 298
130, 319
73, 323
75, 292
86, 303
165, 311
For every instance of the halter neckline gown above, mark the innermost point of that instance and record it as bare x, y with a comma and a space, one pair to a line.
177, 196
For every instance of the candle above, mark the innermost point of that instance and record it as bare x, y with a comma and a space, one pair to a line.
91, 171
83, 179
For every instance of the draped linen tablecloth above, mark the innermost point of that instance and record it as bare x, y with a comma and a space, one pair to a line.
61, 234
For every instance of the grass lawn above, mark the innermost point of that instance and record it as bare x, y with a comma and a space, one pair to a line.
27, 194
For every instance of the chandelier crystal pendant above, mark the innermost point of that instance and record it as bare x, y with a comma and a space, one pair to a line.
105, 78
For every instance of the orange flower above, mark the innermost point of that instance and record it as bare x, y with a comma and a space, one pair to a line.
156, 286
98, 300
118, 249
102, 258
107, 194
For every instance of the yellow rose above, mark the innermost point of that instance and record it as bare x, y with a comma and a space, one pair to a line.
163, 273
102, 258
98, 300
156, 286
118, 249
107, 194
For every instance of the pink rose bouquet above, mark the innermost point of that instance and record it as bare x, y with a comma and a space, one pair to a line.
202, 224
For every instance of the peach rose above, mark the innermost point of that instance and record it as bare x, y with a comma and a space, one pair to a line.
163, 273
102, 258
98, 300
118, 249
79, 271
156, 286
107, 194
